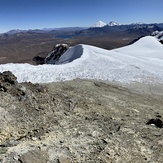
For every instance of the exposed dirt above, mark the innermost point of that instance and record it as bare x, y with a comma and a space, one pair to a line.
79, 121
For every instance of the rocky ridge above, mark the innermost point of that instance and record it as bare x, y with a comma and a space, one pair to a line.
53, 56
78, 121
158, 35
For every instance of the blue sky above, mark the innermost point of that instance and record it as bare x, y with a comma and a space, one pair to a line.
37, 14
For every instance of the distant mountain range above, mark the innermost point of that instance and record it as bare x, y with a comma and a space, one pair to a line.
113, 28
103, 24
100, 24
44, 30
102, 31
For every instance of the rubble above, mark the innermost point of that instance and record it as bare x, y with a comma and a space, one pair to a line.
78, 121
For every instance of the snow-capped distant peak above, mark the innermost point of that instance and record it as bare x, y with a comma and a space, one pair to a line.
100, 24
112, 23
138, 23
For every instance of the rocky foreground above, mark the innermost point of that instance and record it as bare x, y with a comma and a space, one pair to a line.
78, 121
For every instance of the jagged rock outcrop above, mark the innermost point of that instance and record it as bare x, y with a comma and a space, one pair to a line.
78, 121
56, 53
53, 56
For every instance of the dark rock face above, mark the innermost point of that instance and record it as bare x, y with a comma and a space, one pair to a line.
157, 122
56, 53
78, 121
39, 60
161, 41
52, 56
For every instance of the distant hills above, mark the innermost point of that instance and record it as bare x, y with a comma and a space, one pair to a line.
45, 30
100, 29
105, 27
106, 35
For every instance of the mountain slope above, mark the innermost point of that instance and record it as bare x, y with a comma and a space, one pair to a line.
139, 62
113, 23
79, 121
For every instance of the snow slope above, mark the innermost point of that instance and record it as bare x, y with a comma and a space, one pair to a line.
139, 62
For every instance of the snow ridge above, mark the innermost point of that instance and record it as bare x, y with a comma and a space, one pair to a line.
139, 62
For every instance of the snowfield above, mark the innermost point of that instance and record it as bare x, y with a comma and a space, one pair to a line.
139, 62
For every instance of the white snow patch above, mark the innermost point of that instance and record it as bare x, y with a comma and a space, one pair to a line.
139, 62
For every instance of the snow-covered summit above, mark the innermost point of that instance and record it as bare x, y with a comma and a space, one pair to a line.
100, 24
112, 23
